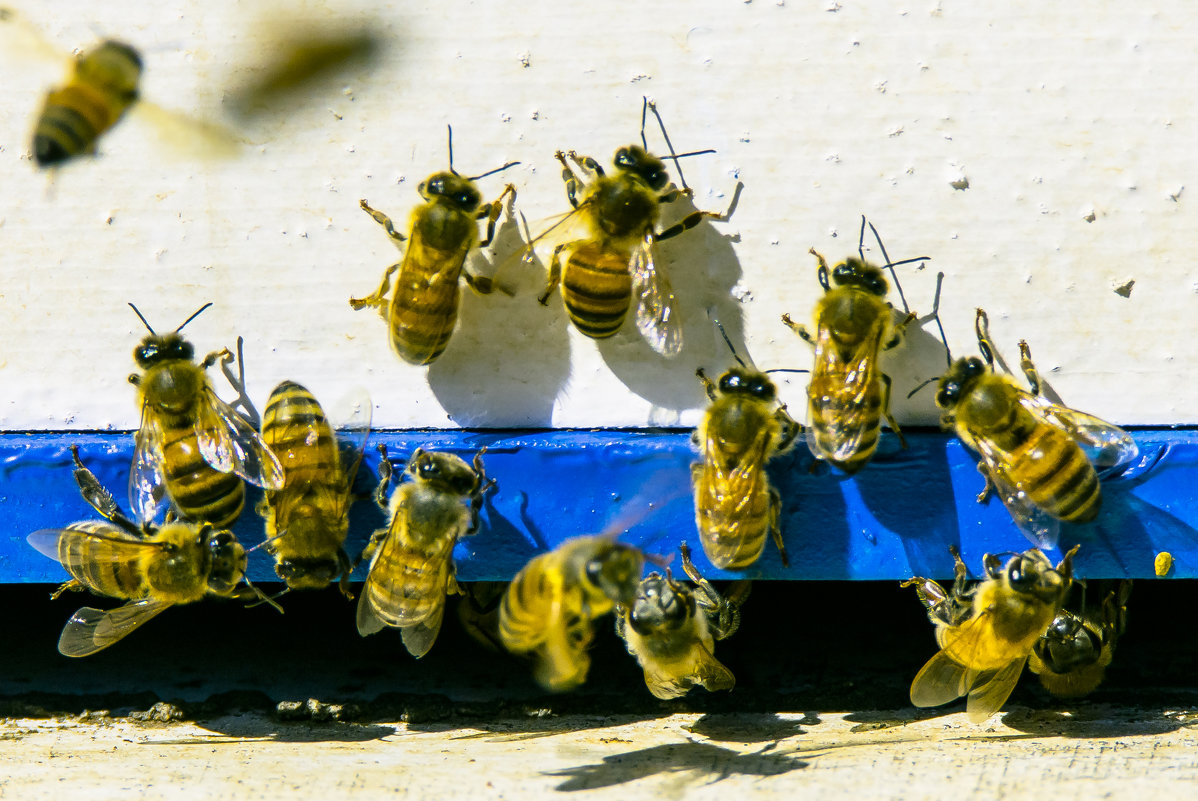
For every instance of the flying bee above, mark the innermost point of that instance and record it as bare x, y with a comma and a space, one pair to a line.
103, 84
1071, 657
986, 631
550, 608
411, 560
1038, 455
671, 630
615, 258
742, 429
191, 444
848, 393
150, 567
307, 520
423, 308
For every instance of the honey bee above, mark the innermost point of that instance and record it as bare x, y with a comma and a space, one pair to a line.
307, 520
102, 86
411, 560
848, 394
1039, 456
191, 444
423, 309
150, 567
987, 630
742, 429
550, 608
1072, 656
671, 630
616, 257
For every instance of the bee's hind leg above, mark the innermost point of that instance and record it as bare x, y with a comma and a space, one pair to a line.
890, 421
1028, 368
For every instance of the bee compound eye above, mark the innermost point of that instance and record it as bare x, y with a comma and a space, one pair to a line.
947, 395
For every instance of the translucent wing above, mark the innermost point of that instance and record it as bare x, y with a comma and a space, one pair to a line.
368, 619
847, 384
991, 689
90, 630
147, 480
231, 445
353, 417
127, 546
45, 541
656, 315
1108, 447
731, 490
702, 669
1041, 528
419, 637
940, 681
187, 135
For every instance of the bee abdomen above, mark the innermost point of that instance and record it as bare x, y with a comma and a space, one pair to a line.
734, 538
597, 289
291, 418
521, 621
88, 561
422, 319
200, 491
1054, 472
71, 121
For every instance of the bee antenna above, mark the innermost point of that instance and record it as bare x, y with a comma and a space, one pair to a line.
662, 560
924, 384
263, 598
492, 172
651, 106
198, 312
724, 334
265, 541
644, 117
450, 129
786, 370
141, 317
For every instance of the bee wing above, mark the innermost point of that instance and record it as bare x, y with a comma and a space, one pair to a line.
353, 415
45, 541
1041, 528
188, 135
656, 315
231, 445
991, 689
419, 637
147, 479
368, 619
850, 424
1108, 447
126, 546
90, 630
940, 681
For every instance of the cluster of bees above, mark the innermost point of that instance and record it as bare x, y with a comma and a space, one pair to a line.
194, 452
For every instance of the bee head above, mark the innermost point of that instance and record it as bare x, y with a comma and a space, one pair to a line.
661, 604
443, 471
158, 348
957, 381
307, 574
1030, 573
739, 381
453, 189
615, 572
1068, 644
856, 273
228, 559
638, 161
113, 65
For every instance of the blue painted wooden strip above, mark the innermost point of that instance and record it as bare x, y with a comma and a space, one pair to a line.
894, 519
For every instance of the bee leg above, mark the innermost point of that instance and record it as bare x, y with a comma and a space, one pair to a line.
890, 421
249, 412
569, 178
386, 471
687, 222
708, 385
930, 593
788, 429
491, 212
981, 325
346, 569
822, 270
775, 524
801, 330
378, 298
587, 163
555, 275
984, 495
385, 221
73, 586
1029, 369
100, 498
897, 339
722, 613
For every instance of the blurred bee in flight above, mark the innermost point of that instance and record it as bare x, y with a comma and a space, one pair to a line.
742, 429
848, 393
411, 560
671, 630
423, 308
988, 629
1038, 455
550, 607
1071, 657
191, 445
308, 519
102, 85
615, 255
150, 567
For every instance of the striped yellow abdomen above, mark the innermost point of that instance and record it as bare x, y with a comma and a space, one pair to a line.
200, 491
406, 583
424, 306
597, 288
829, 404
73, 117
1054, 472
296, 429
98, 564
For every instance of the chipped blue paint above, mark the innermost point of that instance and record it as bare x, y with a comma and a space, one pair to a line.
895, 519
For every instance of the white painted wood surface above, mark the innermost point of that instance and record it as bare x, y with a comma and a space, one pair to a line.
1073, 126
